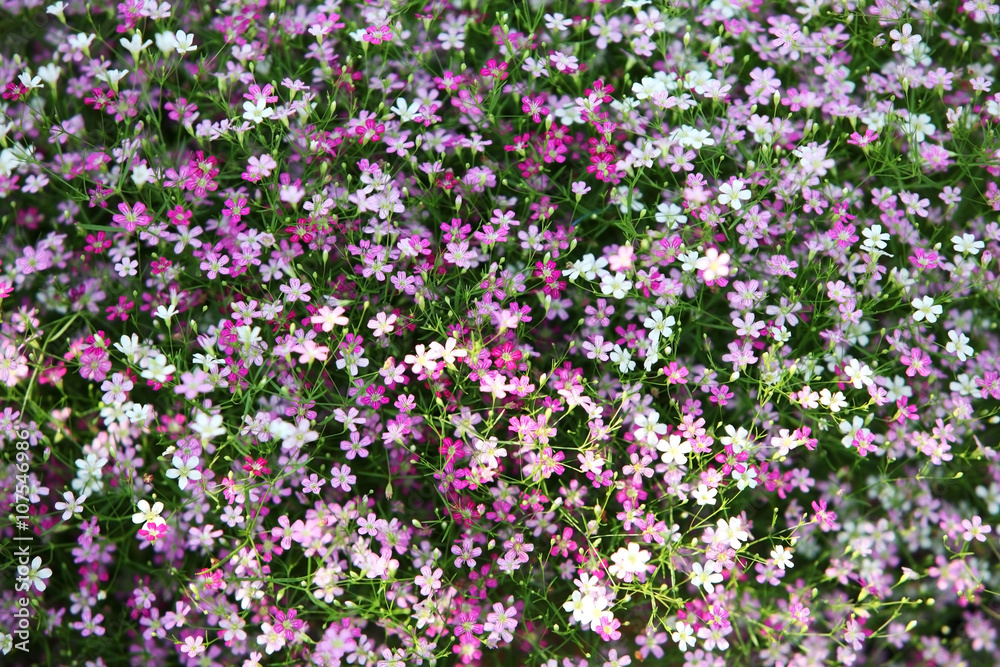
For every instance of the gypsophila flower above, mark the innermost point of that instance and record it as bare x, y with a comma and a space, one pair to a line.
70, 505
616, 285
684, 635
184, 470
630, 562
733, 194
183, 42
34, 575
904, 40
958, 344
713, 265
967, 244
706, 576
859, 374
975, 529
924, 308
623, 358
782, 557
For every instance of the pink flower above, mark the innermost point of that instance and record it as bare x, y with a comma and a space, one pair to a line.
236, 208
916, 362
310, 350
327, 318
94, 364
132, 216
153, 530
377, 35
533, 107
193, 646
975, 530
989, 385
607, 626
494, 70
863, 141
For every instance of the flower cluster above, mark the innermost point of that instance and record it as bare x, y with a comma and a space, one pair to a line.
553, 333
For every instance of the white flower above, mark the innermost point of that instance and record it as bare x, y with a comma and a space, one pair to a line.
874, 238
56, 9
704, 495
746, 478
166, 313
684, 636
50, 73
166, 42
586, 608
112, 76
37, 574
185, 42
706, 577
959, 345
488, 451
147, 513
208, 426
629, 562
588, 267
406, 112
739, 438
782, 557
675, 449
257, 112
184, 471
926, 309
156, 368
616, 285
658, 325
688, 260
859, 374
139, 414
29, 81
128, 346
713, 265
837, 401
904, 40
135, 46
734, 195
447, 353
732, 532
967, 243
690, 137
649, 427
670, 214
623, 358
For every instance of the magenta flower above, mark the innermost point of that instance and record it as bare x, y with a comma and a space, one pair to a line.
533, 107
466, 624
94, 364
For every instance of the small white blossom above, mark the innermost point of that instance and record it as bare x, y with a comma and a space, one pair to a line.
967, 243
733, 194
925, 309
859, 374
959, 345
